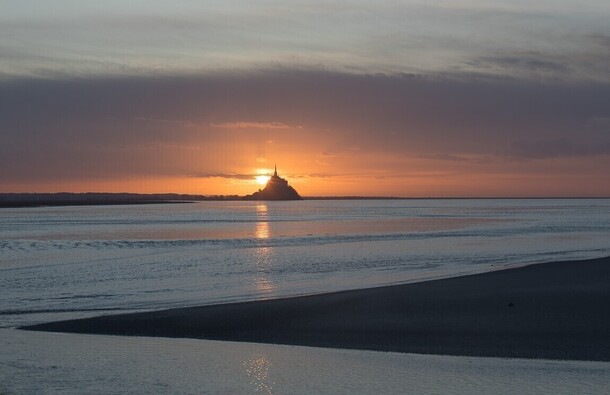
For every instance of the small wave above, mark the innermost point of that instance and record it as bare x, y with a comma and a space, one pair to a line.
174, 222
309, 240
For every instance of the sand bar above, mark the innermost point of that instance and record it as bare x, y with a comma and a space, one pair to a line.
558, 310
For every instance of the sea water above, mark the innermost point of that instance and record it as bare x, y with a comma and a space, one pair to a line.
38, 362
67, 262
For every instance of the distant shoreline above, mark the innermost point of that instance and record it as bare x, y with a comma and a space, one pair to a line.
556, 310
20, 200
85, 203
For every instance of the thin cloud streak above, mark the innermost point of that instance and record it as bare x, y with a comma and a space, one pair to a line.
253, 125
225, 175
159, 120
543, 149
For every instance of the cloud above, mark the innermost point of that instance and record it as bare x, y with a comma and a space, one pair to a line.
253, 125
232, 176
601, 40
445, 157
159, 120
599, 121
241, 176
577, 58
543, 149
319, 175
522, 63
169, 126
96, 40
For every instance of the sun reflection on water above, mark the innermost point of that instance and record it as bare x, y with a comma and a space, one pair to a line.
264, 285
262, 221
258, 369
262, 230
262, 281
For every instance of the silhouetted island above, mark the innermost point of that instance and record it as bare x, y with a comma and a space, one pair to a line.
277, 188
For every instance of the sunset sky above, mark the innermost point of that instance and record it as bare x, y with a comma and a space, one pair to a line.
401, 98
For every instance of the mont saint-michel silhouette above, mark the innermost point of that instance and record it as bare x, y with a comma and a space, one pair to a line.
277, 188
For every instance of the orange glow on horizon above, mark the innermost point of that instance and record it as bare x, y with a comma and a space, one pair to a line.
313, 173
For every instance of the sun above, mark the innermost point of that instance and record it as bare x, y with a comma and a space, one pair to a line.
262, 179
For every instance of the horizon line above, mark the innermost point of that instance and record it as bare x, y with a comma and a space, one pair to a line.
309, 197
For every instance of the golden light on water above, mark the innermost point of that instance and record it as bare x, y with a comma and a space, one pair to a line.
262, 230
258, 368
262, 282
262, 224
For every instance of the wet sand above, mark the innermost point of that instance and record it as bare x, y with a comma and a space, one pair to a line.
558, 310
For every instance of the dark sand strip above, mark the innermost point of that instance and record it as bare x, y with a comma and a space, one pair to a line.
557, 310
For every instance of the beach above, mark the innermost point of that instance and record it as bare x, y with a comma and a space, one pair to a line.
555, 310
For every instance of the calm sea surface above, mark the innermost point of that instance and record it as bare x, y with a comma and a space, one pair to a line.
60, 363
64, 262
